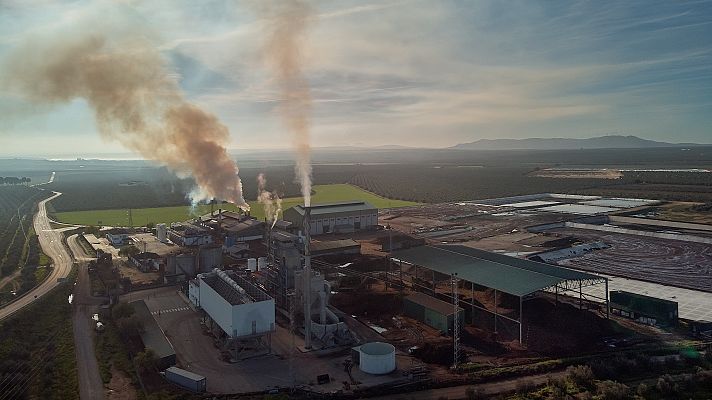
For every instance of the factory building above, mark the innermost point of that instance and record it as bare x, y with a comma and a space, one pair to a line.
187, 234
343, 217
117, 237
238, 313
194, 261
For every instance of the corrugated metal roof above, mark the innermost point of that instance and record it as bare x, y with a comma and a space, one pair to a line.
507, 274
432, 303
330, 208
333, 245
152, 335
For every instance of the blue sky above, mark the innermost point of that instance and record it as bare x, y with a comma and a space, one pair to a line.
415, 73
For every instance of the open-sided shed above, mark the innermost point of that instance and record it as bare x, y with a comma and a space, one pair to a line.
517, 277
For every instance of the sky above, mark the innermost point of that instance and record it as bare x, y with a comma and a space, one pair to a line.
405, 72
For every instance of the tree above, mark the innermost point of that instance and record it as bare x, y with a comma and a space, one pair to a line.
128, 251
146, 361
581, 376
151, 225
610, 390
122, 310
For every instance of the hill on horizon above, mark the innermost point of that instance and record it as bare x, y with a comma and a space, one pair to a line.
601, 142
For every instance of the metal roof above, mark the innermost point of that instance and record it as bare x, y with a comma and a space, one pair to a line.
237, 292
152, 335
511, 275
331, 208
432, 303
316, 247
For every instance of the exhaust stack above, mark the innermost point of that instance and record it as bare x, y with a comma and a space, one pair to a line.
307, 277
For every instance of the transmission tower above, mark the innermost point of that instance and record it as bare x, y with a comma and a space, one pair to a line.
456, 322
130, 219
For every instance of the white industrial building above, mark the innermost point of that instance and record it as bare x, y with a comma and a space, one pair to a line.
343, 217
239, 313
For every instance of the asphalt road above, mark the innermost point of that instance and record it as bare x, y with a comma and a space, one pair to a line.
51, 243
90, 384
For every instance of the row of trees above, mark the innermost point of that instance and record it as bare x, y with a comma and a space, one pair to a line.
14, 180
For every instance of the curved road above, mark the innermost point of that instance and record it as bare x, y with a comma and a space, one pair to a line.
51, 243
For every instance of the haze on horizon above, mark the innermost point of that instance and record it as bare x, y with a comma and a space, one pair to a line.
414, 73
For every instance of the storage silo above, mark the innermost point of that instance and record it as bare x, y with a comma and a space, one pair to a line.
252, 264
261, 263
162, 232
377, 358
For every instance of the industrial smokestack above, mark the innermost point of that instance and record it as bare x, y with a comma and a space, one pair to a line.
307, 277
135, 97
284, 24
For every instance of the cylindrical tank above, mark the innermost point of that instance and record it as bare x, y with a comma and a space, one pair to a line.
261, 263
252, 264
377, 358
161, 232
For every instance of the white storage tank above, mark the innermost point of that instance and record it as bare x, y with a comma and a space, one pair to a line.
377, 358
261, 263
161, 233
252, 264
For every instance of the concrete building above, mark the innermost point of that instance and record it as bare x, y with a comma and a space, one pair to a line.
117, 237
335, 217
188, 234
194, 261
238, 313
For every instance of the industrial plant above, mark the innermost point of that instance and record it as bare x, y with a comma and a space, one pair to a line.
349, 298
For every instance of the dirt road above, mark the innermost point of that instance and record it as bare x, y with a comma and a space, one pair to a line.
51, 243
90, 384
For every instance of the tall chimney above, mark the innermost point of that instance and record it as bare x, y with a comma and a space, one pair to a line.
307, 277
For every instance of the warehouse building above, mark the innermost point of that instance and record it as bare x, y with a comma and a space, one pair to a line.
152, 335
431, 267
645, 309
335, 247
188, 234
343, 217
433, 312
238, 313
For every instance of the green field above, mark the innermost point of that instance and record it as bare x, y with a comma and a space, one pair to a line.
142, 216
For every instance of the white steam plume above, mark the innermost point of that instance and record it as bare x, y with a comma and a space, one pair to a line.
270, 200
284, 24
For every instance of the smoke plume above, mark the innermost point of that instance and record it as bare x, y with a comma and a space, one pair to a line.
270, 200
135, 98
284, 24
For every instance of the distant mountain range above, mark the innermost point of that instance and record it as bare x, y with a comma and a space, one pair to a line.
602, 142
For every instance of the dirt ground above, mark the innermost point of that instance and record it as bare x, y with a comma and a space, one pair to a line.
120, 387
137, 277
671, 262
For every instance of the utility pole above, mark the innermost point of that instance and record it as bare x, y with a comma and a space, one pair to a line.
130, 219
456, 322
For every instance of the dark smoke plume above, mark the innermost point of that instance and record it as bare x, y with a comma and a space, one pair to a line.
135, 98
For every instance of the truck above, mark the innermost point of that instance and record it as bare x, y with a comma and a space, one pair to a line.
186, 379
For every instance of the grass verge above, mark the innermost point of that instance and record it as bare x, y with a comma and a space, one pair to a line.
37, 349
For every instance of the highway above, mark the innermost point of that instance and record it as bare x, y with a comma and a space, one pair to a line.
51, 243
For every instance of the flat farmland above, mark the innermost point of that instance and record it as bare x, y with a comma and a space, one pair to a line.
142, 216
